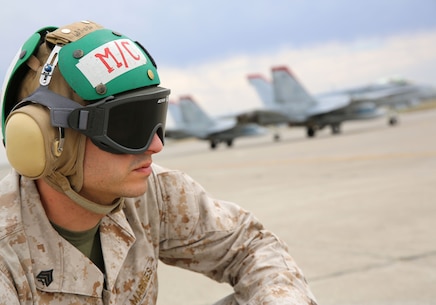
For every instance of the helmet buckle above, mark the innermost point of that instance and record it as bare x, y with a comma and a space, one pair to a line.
49, 66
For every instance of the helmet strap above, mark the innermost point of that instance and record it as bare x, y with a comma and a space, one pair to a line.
63, 183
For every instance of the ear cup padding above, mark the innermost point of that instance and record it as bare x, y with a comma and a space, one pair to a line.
29, 139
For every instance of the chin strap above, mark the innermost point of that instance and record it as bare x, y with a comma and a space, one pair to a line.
92, 206
63, 185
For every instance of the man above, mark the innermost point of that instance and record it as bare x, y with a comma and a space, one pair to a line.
85, 215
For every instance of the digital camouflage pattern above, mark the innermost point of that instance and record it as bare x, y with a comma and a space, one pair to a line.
176, 222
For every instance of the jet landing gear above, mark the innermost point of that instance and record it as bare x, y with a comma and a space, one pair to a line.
311, 131
214, 143
336, 128
392, 118
276, 134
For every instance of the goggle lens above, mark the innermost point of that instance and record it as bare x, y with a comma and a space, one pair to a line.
132, 124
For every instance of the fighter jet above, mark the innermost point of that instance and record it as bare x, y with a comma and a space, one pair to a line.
286, 101
394, 93
190, 120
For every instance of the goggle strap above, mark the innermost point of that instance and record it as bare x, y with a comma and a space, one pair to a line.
60, 106
79, 118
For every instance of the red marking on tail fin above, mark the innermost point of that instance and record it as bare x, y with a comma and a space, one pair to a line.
187, 97
252, 76
282, 68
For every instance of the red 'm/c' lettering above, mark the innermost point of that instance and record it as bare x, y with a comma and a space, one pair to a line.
108, 55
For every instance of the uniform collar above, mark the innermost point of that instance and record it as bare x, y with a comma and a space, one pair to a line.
60, 267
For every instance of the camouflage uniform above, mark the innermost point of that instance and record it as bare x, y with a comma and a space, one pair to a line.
175, 221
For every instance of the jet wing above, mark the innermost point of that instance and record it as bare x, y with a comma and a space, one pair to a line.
177, 133
263, 117
381, 94
328, 103
220, 126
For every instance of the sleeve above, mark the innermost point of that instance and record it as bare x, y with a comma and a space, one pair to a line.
228, 244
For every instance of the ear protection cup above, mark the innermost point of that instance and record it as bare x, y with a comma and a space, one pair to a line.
32, 144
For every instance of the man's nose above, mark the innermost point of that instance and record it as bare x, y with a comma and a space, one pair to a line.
155, 145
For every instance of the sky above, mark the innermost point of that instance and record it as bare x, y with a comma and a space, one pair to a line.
207, 48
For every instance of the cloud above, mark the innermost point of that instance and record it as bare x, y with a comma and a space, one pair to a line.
221, 86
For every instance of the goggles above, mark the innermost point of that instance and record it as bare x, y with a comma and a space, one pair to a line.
120, 124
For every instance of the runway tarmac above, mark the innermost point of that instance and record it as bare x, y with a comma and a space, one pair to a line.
357, 210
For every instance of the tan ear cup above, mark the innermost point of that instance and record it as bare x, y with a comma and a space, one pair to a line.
31, 141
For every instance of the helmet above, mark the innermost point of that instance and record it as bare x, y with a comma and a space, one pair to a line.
73, 82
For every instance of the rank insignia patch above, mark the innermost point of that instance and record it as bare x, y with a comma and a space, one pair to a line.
45, 277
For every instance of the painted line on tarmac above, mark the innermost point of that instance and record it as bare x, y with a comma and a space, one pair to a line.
366, 268
323, 159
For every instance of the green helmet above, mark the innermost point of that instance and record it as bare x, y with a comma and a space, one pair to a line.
69, 83
96, 63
